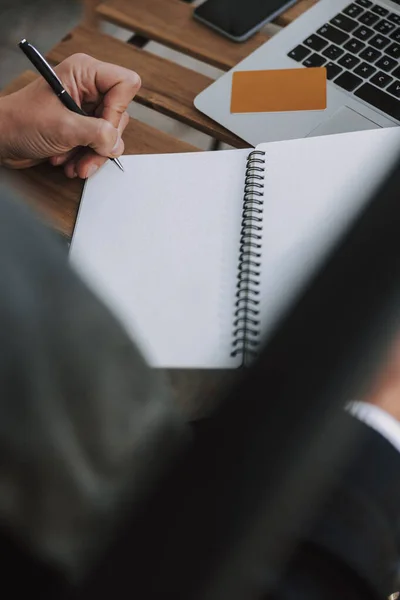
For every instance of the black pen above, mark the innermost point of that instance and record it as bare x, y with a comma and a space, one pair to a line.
54, 82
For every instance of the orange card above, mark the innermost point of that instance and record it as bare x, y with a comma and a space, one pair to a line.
280, 90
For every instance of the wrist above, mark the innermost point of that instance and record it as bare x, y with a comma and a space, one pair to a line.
12, 134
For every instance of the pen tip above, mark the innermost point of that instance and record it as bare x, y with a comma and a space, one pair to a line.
119, 164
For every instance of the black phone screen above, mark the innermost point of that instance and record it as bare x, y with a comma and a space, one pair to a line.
238, 17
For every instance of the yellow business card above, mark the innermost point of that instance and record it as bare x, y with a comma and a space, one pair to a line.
279, 90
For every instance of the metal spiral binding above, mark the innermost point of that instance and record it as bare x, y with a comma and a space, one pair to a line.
246, 335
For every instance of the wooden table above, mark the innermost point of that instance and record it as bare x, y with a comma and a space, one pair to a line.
168, 88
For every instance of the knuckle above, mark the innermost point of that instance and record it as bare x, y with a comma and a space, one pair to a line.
136, 80
106, 133
124, 120
133, 79
119, 108
121, 147
79, 57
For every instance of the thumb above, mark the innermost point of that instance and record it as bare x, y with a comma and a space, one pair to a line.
98, 134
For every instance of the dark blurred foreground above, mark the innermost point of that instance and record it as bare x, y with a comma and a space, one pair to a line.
278, 493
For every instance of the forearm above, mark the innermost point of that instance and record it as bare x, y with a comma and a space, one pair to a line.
12, 135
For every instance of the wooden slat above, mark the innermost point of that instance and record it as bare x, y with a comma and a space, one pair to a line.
295, 11
90, 18
171, 23
18, 83
56, 197
166, 86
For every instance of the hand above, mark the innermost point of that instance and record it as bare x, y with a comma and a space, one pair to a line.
35, 125
385, 391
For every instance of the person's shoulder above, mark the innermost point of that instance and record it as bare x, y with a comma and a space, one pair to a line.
359, 522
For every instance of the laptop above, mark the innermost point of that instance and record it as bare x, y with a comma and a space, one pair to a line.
358, 43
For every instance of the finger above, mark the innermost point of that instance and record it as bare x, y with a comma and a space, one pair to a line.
87, 163
92, 82
70, 166
118, 87
61, 159
98, 134
70, 171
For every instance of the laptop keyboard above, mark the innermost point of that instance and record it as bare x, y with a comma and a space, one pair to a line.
360, 48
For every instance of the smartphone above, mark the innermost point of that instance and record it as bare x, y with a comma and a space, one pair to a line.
239, 19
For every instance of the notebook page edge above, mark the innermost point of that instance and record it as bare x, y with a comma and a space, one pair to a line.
81, 222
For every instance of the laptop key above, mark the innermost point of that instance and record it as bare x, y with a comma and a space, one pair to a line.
395, 35
379, 10
381, 79
333, 52
396, 73
354, 46
363, 33
379, 41
395, 89
394, 18
368, 18
370, 55
364, 3
299, 53
344, 23
349, 61
332, 70
393, 50
386, 63
348, 81
315, 42
365, 70
332, 34
353, 11
379, 99
315, 60
384, 27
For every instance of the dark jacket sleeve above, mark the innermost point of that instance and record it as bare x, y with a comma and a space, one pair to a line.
85, 424
352, 549
173, 548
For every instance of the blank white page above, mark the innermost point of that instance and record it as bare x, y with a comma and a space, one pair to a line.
314, 188
159, 243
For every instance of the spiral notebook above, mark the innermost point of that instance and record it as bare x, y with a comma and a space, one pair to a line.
199, 254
